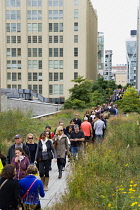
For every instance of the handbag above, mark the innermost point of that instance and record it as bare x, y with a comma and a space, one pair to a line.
3, 183
26, 193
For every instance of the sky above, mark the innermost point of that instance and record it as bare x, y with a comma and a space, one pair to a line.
116, 18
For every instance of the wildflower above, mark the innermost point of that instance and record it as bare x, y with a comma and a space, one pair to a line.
109, 205
126, 165
135, 185
131, 182
121, 188
135, 203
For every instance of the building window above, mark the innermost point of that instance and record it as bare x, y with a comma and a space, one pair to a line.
61, 76
50, 89
61, 3
40, 89
75, 64
55, 76
75, 38
60, 14
50, 76
75, 51
76, 14
55, 3
34, 39
39, 39
50, 39
50, 52
34, 3
40, 76
19, 76
61, 89
50, 15
13, 15
18, 39
55, 39
55, 64
14, 76
35, 88
75, 2
13, 27
8, 39
34, 27
14, 86
12, 3
75, 26
61, 64
56, 91
55, 14
8, 76
34, 76
61, 39
50, 3
55, 27
29, 39
34, 15
61, 52
75, 75
50, 64
55, 52
60, 27
50, 27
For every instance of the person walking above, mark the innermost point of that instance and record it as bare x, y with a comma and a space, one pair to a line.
87, 130
99, 126
76, 138
30, 189
43, 156
61, 144
9, 189
32, 146
21, 162
18, 143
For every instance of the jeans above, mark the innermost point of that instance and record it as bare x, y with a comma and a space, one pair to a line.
44, 167
75, 151
98, 138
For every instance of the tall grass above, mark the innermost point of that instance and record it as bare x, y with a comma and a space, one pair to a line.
107, 176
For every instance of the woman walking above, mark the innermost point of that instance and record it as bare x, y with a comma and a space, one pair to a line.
32, 146
21, 162
30, 189
44, 156
61, 142
9, 189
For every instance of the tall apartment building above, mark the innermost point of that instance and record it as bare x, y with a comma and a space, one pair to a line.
100, 53
108, 65
131, 51
44, 44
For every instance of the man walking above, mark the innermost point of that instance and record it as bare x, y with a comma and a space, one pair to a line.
76, 138
99, 125
87, 130
18, 143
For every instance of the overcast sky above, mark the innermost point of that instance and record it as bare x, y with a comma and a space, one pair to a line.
116, 18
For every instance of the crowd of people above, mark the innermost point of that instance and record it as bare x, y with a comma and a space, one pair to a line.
19, 186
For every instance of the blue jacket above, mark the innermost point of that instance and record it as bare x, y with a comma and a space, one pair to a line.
36, 190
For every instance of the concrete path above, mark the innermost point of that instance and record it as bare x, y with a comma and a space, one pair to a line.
57, 186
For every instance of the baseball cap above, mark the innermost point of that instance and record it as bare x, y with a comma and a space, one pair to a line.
18, 136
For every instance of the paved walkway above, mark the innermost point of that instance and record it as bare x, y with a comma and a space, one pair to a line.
57, 186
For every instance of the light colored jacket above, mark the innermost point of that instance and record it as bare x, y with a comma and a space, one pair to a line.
61, 146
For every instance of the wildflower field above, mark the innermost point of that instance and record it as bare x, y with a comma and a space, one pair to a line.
107, 176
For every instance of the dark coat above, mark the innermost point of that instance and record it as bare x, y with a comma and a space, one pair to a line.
9, 194
11, 152
50, 149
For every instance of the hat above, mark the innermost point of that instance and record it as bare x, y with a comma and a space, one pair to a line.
85, 118
18, 136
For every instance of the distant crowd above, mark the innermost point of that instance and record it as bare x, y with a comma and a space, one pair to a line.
19, 186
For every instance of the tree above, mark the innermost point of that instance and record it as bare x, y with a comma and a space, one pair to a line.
130, 101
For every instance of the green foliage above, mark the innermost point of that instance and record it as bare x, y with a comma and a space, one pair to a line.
130, 101
87, 93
